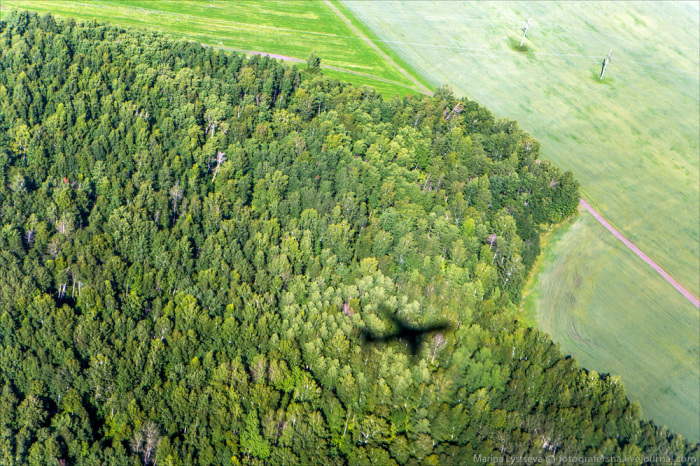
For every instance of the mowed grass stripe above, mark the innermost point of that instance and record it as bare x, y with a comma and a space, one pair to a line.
327, 68
369, 42
287, 28
380, 44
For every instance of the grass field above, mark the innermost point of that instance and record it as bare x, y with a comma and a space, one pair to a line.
632, 140
293, 29
647, 334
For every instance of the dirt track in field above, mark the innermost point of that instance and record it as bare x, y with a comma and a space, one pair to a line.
688, 295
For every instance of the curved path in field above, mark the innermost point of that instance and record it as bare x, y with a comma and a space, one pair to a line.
688, 295
386, 57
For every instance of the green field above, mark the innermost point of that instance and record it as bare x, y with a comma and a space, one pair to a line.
648, 334
293, 29
632, 140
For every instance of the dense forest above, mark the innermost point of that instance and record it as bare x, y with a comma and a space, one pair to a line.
208, 259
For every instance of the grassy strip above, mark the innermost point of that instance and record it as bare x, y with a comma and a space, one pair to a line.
385, 86
531, 290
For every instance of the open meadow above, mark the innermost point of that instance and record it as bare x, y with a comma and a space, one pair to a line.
632, 140
585, 295
292, 29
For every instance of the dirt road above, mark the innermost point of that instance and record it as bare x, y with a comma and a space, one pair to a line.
688, 295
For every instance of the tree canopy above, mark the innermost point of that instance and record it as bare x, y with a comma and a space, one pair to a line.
193, 245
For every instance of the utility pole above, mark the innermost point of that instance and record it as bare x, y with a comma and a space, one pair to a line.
605, 64
525, 32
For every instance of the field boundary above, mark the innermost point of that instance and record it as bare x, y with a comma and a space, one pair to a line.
381, 53
687, 294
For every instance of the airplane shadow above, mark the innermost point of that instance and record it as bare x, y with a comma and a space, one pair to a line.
413, 336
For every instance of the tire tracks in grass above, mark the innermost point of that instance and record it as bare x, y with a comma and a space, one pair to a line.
687, 294
386, 57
